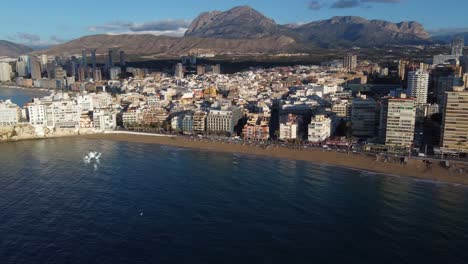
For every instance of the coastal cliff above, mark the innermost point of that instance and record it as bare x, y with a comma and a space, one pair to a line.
26, 131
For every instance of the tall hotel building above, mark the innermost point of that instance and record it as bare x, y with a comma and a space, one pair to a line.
398, 118
458, 43
418, 85
350, 62
364, 117
454, 136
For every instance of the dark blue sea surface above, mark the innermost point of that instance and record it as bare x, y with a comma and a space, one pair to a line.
159, 204
20, 96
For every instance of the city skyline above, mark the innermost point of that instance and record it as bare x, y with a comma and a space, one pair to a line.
169, 18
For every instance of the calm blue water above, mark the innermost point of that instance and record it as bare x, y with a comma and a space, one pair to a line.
158, 204
20, 96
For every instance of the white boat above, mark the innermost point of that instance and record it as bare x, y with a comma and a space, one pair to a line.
92, 156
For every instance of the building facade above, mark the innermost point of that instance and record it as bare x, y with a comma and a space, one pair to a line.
223, 121
350, 62
199, 123
5, 72
257, 128
454, 136
363, 117
289, 127
9, 113
321, 128
398, 120
418, 85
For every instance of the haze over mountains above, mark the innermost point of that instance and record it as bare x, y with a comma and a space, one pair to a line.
243, 30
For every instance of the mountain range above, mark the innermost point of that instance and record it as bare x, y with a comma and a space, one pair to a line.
243, 30
10, 49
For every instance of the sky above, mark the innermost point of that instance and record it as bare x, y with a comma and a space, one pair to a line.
48, 22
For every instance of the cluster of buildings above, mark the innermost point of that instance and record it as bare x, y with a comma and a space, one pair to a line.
317, 104
66, 73
61, 110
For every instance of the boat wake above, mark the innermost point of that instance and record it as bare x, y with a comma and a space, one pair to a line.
93, 158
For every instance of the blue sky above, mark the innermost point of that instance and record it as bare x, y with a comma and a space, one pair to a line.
53, 21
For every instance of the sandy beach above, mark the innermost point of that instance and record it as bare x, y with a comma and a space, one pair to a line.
414, 168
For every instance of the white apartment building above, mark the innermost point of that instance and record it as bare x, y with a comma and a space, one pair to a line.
85, 102
418, 85
36, 113
61, 114
176, 122
289, 127
130, 117
9, 113
89, 102
103, 119
66, 114
321, 128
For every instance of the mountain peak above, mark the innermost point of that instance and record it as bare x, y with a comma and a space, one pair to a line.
348, 19
242, 22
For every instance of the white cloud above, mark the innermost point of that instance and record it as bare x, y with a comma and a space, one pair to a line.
34, 40
160, 27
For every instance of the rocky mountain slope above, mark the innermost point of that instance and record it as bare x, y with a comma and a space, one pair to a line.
349, 30
243, 30
240, 22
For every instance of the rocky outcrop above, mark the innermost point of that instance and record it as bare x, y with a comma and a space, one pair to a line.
25, 131
241, 22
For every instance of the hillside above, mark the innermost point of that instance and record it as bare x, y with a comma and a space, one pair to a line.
170, 46
10, 49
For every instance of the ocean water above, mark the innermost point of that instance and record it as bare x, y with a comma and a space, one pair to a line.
20, 96
159, 204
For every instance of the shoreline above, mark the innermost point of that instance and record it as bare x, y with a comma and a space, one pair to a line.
24, 88
414, 168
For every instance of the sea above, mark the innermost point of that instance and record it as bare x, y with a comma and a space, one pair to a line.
21, 96
144, 203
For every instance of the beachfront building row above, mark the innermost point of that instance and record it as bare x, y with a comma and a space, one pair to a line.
61, 114
222, 122
190, 123
61, 111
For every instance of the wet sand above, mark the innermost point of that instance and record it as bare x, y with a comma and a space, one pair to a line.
414, 168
